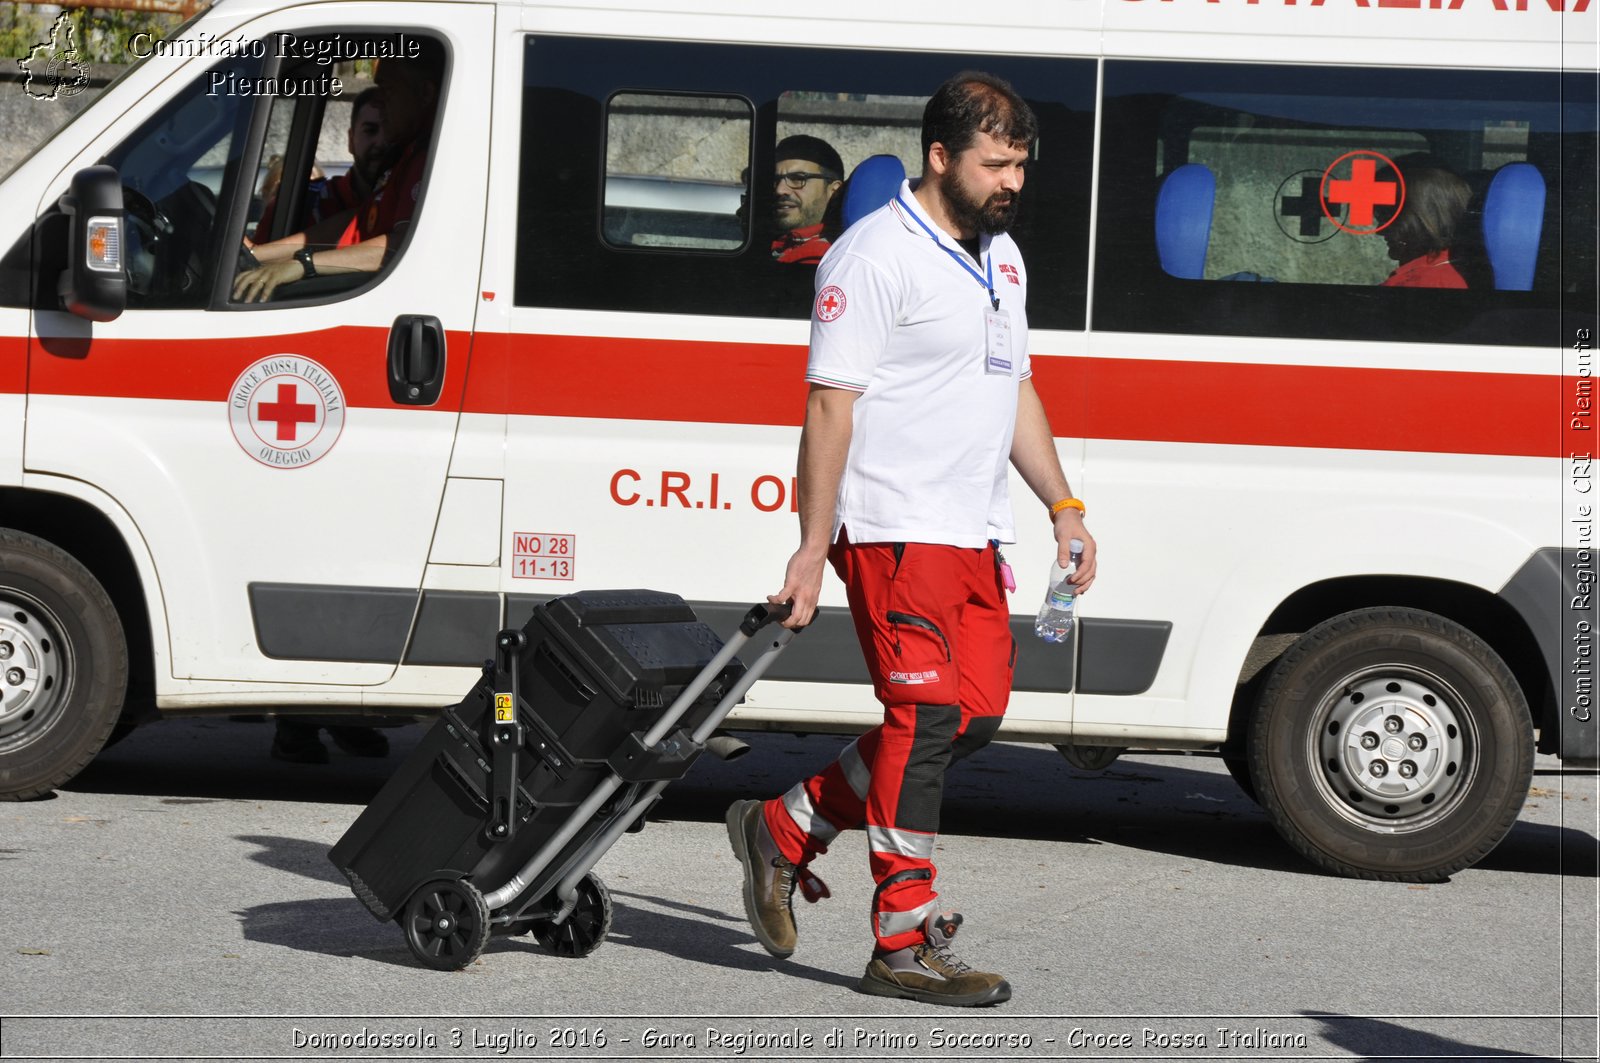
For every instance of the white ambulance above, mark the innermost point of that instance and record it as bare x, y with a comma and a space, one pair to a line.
1344, 524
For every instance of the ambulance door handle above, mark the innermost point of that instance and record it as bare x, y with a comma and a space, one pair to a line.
416, 360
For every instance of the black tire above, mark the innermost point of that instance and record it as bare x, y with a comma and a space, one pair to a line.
446, 923
124, 727
586, 928
63, 666
1391, 744
1236, 752
1239, 768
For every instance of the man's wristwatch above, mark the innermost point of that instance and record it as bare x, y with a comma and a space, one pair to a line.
303, 256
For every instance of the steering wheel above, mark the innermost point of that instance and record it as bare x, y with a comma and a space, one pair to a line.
167, 242
147, 231
205, 199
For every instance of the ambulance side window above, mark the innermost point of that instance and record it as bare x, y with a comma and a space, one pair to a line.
1354, 203
675, 171
174, 171
649, 171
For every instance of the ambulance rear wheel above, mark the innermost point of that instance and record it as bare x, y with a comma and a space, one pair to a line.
1239, 768
63, 666
1392, 744
586, 928
446, 924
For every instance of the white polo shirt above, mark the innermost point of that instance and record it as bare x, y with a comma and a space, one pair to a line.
901, 321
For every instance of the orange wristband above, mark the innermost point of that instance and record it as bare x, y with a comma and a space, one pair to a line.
1066, 503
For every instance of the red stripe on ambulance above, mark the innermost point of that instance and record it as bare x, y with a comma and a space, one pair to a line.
1100, 398
204, 370
1302, 406
13, 364
652, 380
710, 382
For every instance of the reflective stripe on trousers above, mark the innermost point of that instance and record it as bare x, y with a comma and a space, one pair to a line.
934, 626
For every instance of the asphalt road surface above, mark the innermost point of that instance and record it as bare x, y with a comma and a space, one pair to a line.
176, 902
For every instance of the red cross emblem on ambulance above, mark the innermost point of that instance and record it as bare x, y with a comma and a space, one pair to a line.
286, 411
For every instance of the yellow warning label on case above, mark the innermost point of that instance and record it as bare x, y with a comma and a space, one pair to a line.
504, 711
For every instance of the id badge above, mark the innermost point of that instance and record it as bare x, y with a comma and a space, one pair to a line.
997, 354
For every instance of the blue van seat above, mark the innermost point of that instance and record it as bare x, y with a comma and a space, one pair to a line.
1513, 220
1183, 220
872, 183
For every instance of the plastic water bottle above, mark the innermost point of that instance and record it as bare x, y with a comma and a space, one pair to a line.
1054, 623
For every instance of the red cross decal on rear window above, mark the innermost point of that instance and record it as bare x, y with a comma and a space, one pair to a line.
1363, 191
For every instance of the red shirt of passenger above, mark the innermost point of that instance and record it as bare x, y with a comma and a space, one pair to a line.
334, 197
805, 244
1429, 271
393, 200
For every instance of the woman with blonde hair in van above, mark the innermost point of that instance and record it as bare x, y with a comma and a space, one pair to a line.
1420, 236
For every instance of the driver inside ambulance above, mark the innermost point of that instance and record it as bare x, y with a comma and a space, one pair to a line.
358, 240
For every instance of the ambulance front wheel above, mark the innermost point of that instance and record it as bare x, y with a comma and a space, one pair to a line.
63, 666
586, 928
446, 924
1392, 744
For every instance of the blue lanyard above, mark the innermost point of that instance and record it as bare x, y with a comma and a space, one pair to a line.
960, 259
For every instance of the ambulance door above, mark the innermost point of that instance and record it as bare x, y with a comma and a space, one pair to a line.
284, 461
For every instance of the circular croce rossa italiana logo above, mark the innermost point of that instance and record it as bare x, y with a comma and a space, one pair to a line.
830, 303
286, 411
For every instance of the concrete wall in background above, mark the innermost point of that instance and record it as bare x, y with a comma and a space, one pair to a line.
27, 122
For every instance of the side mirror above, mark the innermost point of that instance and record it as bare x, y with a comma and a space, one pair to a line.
95, 283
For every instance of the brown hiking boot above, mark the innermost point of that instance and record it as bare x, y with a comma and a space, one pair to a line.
930, 973
768, 879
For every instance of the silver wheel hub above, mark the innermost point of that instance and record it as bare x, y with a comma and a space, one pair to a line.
1392, 746
32, 665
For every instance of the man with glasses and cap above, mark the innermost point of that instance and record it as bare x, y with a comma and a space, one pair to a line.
809, 172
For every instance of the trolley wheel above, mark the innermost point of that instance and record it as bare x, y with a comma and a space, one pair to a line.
446, 924
586, 928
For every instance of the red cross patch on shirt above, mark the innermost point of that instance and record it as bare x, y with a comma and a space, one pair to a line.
830, 303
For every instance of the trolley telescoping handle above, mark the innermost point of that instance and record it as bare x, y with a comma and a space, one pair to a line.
505, 736
757, 618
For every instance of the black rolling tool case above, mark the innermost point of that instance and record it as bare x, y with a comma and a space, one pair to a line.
495, 821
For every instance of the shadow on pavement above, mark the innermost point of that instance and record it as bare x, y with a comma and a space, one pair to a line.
706, 936
342, 927
227, 759
295, 855
339, 927
1185, 806
1374, 1039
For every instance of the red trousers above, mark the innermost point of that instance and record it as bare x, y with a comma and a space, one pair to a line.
934, 626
